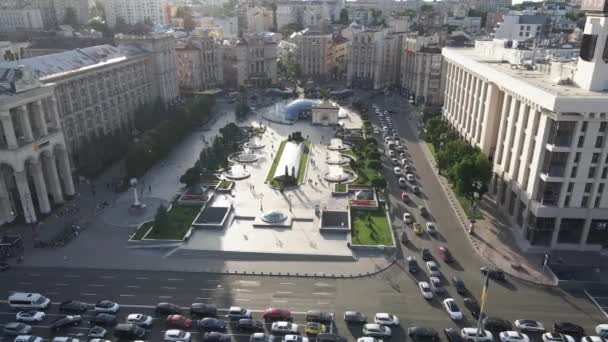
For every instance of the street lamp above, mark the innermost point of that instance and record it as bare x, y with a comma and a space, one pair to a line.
484, 296
289, 197
261, 205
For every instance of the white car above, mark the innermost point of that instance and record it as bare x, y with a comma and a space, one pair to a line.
368, 339
513, 336
295, 338
431, 228
402, 181
403, 162
106, 306
410, 177
176, 335
468, 334
376, 330
391, 153
436, 285
140, 319
452, 308
386, 319
433, 269
403, 156
593, 339
529, 325
407, 218
99, 340
602, 330
28, 338
97, 332
557, 337
426, 290
394, 161
30, 316
397, 170
284, 328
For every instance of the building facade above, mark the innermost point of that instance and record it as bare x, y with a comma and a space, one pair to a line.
35, 170
521, 27
10, 51
421, 69
256, 60
20, 19
200, 63
80, 7
134, 11
314, 54
545, 129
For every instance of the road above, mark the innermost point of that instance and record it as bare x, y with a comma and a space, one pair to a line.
394, 290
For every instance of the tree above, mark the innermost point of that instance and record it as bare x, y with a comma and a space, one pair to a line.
161, 218
472, 175
379, 183
324, 93
70, 17
242, 109
344, 16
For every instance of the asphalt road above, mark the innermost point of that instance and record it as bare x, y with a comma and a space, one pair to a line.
394, 290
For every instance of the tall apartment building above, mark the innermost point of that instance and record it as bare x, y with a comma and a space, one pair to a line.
35, 169
421, 69
256, 60
489, 5
374, 58
80, 7
518, 26
545, 129
200, 63
52, 12
20, 19
314, 54
134, 11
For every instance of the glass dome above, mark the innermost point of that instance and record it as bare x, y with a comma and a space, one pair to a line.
274, 216
295, 108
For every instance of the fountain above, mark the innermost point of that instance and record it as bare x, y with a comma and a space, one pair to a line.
337, 174
336, 159
237, 172
336, 144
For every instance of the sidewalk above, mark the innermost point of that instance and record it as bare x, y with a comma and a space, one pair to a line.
492, 239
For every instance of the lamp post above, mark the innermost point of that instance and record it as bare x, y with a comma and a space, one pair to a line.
261, 205
484, 296
289, 197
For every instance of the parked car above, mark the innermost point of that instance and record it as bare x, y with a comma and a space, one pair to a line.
412, 264
557, 337
179, 321
496, 324
376, 330
426, 290
418, 229
140, 320
452, 335
28, 338
314, 328
319, 316
446, 255
97, 332
513, 336
407, 218
386, 319
167, 309
433, 269
214, 336
249, 324
602, 330
404, 196
424, 212
422, 334
176, 335
328, 337
237, 312
426, 254
30, 316
437, 285
354, 317
452, 309
473, 306
284, 327
593, 339
493, 273
106, 306
275, 314
17, 328
73, 306
416, 190
459, 285
211, 324
65, 321
529, 325
261, 337
568, 328
470, 335
203, 310
104, 319
431, 228
295, 338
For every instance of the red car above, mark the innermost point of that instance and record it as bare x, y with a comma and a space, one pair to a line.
445, 254
404, 197
179, 321
274, 314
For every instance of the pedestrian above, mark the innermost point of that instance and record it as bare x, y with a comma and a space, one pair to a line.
149, 188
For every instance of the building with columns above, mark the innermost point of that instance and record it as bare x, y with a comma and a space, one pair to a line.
545, 128
314, 53
35, 171
256, 60
200, 62
421, 69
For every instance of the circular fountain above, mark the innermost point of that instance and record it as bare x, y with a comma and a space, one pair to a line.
336, 144
244, 158
337, 174
254, 145
274, 216
237, 172
336, 159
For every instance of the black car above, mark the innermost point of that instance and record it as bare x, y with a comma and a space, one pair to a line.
211, 324
167, 309
249, 324
426, 254
73, 306
424, 212
568, 328
452, 335
327, 337
495, 324
214, 336
412, 264
203, 310
422, 333
319, 317
459, 285
473, 306
65, 321
493, 273
103, 319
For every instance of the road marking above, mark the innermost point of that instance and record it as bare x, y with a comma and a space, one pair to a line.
203, 298
242, 300
72, 276
96, 285
242, 290
61, 284
283, 292
141, 278
168, 287
126, 295
34, 274
25, 283
213, 281
287, 283
322, 293
165, 297
88, 294
133, 286
280, 301
322, 303
175, 279
106, 277
211, 289
320, 284
52, 293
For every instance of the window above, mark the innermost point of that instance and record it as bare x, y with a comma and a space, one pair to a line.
599, 142
584, 127
577, 157
585, 202
588, 187
605, 54
588, 47
570, 230
573, 173
528, 28
581, 141
597, 202
567, 201
600, 188
595, 158
603, 126
570, 186
591, 173
604, 173
521, 34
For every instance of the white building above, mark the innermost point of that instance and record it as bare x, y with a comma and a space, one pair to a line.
467, 24
325, 114
256, 60
10, 51
308, 13
20, 19
421, 69
200, 63
35, 169
134, 11
314, 54
80, 7
545, 129
520, 27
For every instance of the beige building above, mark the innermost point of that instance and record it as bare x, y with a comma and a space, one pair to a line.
314, 54
134, 11
421, 69
35, 169
20, 19
325, 114
374, 58
545, 128
256, 60
200, 63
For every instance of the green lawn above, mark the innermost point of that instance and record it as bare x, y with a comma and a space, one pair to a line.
180, 220
275, 162
143, 229
371, 228
225, 184
303, 162
340, 187
467, 205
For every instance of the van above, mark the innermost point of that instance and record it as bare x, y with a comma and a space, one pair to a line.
129, 331
24, 300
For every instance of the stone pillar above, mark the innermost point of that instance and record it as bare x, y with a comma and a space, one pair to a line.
41, 191
65, 172
26, 126
6, 209
9, 129
26, 197
586, 228
39, 119
556, 227
54, 112
54, 185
